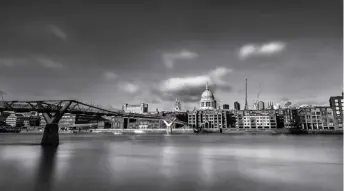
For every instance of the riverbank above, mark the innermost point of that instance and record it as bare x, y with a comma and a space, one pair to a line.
188, 131
224, 131
142, 131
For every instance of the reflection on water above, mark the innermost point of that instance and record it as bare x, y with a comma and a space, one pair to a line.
168, 161
176, 162
46, 167
207, 165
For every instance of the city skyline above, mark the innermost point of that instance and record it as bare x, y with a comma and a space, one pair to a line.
159, 51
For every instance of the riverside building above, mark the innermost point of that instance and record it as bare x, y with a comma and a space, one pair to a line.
337, 104
289, 118
135, 108
67, 120
253, 119
317, 118
15, 120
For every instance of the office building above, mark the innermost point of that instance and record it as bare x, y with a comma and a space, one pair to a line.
209, 119
34, 121
225, 107
42, 120
15, 120
116, 122
279, 118
144, 124
337, 104
136, 108
291, 118
250, 119
261, 105
317, 118
237, 106
67, 120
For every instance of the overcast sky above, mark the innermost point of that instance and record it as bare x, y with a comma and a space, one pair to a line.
158, 50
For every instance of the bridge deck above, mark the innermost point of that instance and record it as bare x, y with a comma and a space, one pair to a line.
76, 107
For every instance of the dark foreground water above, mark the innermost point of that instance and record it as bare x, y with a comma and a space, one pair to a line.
177, 162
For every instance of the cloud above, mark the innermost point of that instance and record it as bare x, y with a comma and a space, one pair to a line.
58, 32
171, 58
48, 63
10, 62
110, 75
129, 87
285, 99
189, 89
312, 102
41, 60
267, 49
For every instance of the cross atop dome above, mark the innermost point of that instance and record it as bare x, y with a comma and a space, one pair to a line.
206, 86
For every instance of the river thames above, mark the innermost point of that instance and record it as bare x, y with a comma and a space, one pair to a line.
176, 162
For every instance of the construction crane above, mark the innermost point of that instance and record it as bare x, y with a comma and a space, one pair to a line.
255, 102
260, 89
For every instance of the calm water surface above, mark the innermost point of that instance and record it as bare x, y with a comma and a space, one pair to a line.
177, 162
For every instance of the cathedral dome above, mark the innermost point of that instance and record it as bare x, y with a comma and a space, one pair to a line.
207, 100
207, 94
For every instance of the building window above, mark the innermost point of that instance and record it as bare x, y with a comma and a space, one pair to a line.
202, 104
207, 104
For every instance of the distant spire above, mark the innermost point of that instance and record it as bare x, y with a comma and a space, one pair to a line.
246, 105
206, 86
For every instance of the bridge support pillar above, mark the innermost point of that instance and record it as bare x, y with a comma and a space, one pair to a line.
169, 130
169, 126
51, 135
51, 130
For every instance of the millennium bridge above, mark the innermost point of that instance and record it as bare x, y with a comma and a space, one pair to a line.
53, 110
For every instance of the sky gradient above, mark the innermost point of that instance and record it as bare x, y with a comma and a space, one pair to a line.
157, 51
